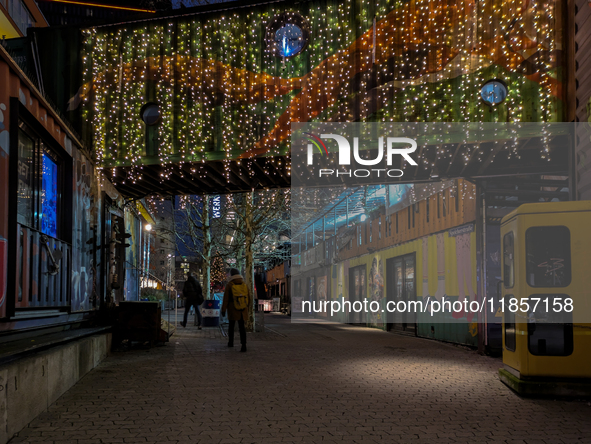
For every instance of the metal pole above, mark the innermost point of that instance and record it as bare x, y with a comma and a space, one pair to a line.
335, 220
148, 260
168, 288
347, 211
175, 298
144, 258
138, 267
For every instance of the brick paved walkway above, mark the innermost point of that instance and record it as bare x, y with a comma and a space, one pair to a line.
314, 384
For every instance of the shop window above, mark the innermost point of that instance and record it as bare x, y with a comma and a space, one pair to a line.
444, 206
547, 251
370, 232
408, 218
438, 206
508, 260
39, 185
20, 14
380, 228
26, 174
427, 210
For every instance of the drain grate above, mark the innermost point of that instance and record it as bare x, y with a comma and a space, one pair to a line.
391, 347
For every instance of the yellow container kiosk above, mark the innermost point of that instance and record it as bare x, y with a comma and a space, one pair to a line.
546, 299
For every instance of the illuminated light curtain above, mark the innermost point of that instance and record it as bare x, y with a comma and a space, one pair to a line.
223, 94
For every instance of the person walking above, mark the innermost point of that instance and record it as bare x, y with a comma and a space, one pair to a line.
193, 294
237, 299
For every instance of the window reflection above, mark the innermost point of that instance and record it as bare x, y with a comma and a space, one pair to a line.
548, 256
26, 147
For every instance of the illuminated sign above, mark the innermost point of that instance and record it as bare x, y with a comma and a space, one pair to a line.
216, 207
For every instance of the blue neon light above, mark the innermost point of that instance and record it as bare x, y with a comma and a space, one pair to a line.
289, 39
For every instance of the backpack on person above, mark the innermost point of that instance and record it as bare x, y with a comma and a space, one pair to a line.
240, 296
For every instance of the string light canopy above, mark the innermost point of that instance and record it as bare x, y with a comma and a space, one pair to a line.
225, 93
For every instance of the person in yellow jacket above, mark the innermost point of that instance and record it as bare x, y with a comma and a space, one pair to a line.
234, 314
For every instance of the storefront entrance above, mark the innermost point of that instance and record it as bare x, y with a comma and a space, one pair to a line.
400, 286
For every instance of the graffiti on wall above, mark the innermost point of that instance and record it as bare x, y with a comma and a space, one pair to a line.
376, 284
4, 146
132, 257
438, 263
4, 135
84, 285
464, 267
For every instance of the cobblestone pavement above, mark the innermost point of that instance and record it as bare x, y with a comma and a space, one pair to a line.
303, 384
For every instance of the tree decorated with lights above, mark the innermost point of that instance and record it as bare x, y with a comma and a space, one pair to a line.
218, 271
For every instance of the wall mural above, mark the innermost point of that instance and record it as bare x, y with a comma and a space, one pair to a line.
229, 83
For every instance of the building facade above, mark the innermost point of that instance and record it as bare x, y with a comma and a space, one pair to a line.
63, 227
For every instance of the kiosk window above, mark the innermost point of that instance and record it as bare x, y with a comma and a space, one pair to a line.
548, 256
509, 328
508, 260
549, 327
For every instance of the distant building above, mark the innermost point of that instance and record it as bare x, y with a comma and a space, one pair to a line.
73, 12
16, 16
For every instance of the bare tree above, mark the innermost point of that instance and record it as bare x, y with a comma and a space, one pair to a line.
192, 227
249, 229
257, 224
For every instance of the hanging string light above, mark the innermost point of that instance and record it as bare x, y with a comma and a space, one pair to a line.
223, 93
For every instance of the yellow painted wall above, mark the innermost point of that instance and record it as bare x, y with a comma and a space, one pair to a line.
6, 27
340, 282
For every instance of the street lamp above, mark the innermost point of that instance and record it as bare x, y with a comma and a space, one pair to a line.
148, 228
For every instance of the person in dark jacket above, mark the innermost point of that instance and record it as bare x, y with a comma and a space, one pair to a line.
233, 314
193, 294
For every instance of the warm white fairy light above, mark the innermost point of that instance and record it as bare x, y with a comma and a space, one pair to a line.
218, 86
